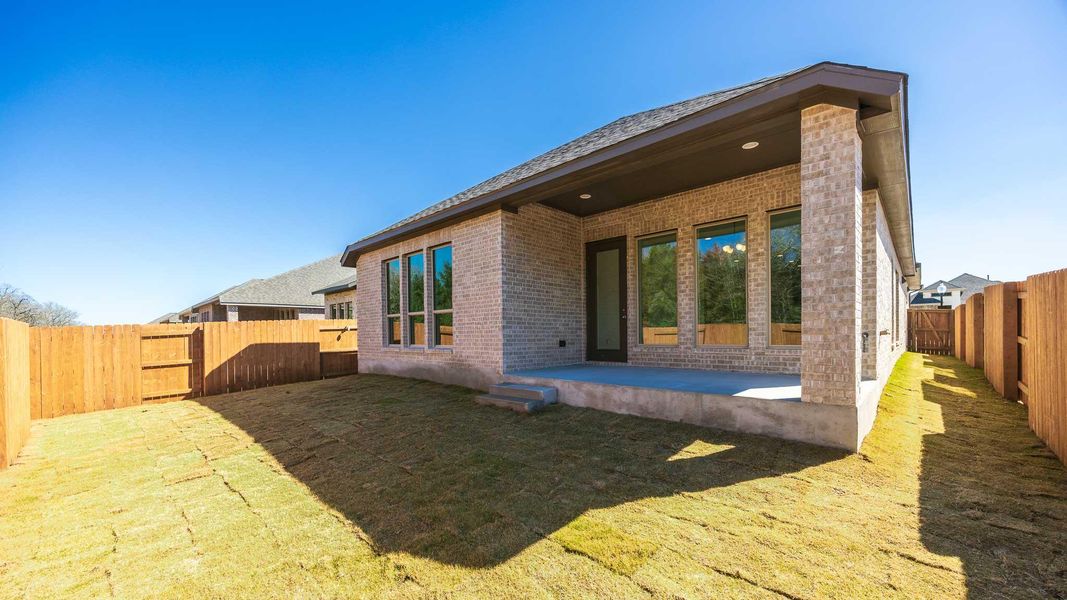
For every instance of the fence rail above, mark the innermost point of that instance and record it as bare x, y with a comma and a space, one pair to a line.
1014, 332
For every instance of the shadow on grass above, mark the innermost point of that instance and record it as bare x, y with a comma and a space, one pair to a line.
421, 469
991, 494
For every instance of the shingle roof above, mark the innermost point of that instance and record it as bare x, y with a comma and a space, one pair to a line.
295, 287
971, 284
615, 132
933, 286
348, 283
171, 317
291, 288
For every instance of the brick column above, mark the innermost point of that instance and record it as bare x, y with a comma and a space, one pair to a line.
232, 313
832, 254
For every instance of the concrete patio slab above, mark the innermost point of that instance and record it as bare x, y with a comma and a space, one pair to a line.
764, 386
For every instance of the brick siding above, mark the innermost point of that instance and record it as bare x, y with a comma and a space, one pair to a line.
830, 188
749, 197
543, 280
476, 300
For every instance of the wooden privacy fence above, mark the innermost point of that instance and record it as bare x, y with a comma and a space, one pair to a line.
1016, 332
931, 331
14, 388
85, 369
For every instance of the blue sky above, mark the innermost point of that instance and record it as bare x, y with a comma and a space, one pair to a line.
151, 156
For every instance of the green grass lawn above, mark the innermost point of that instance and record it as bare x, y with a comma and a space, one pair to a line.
378, 486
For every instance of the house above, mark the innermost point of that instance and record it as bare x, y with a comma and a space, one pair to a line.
957, 290
653, 266
168, 318
288, 296
340, 298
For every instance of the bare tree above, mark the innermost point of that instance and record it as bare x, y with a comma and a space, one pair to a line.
51, 314
20, 306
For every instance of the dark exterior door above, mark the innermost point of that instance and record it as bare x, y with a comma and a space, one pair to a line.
605, 300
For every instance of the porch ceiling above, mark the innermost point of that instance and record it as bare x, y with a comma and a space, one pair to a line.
681, 166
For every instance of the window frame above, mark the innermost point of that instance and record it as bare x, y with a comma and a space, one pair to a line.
770, 279
386, 315
408, 331
431, 274
671, 233
743, 219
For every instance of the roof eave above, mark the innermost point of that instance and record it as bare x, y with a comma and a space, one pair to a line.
270, 304
861, 80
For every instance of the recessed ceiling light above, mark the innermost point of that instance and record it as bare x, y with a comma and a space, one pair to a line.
585, 196
749, 145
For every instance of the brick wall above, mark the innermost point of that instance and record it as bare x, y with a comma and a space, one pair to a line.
832, 247
340, 298
749, 197
881, 273
543, 280
310, 314
476, 358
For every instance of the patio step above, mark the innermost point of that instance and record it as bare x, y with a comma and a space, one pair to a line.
543, 393
519, 398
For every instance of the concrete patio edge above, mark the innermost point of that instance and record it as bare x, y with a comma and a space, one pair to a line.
821, 424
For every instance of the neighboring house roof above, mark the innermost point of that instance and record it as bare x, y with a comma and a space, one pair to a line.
971, 284
920, 299
648, 127
348, 283
293, 288
215, 298
933, 286
171, 317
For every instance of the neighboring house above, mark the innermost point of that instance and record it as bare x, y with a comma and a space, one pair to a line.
167, 318
288, 296
340, 298
652, 266
957, 290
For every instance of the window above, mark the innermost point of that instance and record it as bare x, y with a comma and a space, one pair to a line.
333, 311
392, 301
722, 303
785, 278
442, 296
657, 284
416, 309
348, 310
